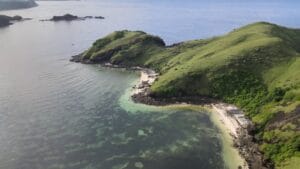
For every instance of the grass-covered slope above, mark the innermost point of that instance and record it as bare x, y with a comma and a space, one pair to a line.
256, 67
124, 48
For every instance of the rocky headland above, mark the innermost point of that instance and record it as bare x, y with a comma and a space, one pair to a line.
255, 67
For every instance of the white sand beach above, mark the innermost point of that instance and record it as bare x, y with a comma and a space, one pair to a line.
233, 118
230, 119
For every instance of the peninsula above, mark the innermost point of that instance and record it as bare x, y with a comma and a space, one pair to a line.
255, 68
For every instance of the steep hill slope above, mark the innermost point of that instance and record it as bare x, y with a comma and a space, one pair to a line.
256, 67
123, 48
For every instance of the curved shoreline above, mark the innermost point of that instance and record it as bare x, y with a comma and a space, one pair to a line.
228, 118
230, 155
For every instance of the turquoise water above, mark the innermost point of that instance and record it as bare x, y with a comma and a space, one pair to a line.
88, 128
57, 114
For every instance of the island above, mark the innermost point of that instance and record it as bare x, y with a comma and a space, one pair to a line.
16, 4
8, 20
70, 17
255, 68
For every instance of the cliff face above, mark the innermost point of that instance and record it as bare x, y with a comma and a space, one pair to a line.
256, 67
16, 4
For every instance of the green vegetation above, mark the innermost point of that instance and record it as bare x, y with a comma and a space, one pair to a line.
256, 67
124, 48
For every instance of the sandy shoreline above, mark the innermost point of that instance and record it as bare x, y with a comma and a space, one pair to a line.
230, 119
233, 118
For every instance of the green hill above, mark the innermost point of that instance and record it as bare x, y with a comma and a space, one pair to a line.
256, 67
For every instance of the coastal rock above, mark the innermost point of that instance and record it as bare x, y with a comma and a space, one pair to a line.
66, 17
4, 21
8, 20
99, 17
75, 58
16, 18
70, 17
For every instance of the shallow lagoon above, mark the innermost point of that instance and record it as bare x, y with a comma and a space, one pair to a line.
92, 130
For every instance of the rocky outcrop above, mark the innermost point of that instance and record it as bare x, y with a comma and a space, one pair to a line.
8, 20
249, 149
99, 17
4, 21
70, 17
66, 17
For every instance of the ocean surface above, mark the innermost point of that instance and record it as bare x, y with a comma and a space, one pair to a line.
55, 114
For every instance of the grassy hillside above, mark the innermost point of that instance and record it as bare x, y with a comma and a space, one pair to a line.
256, 67
124, 48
